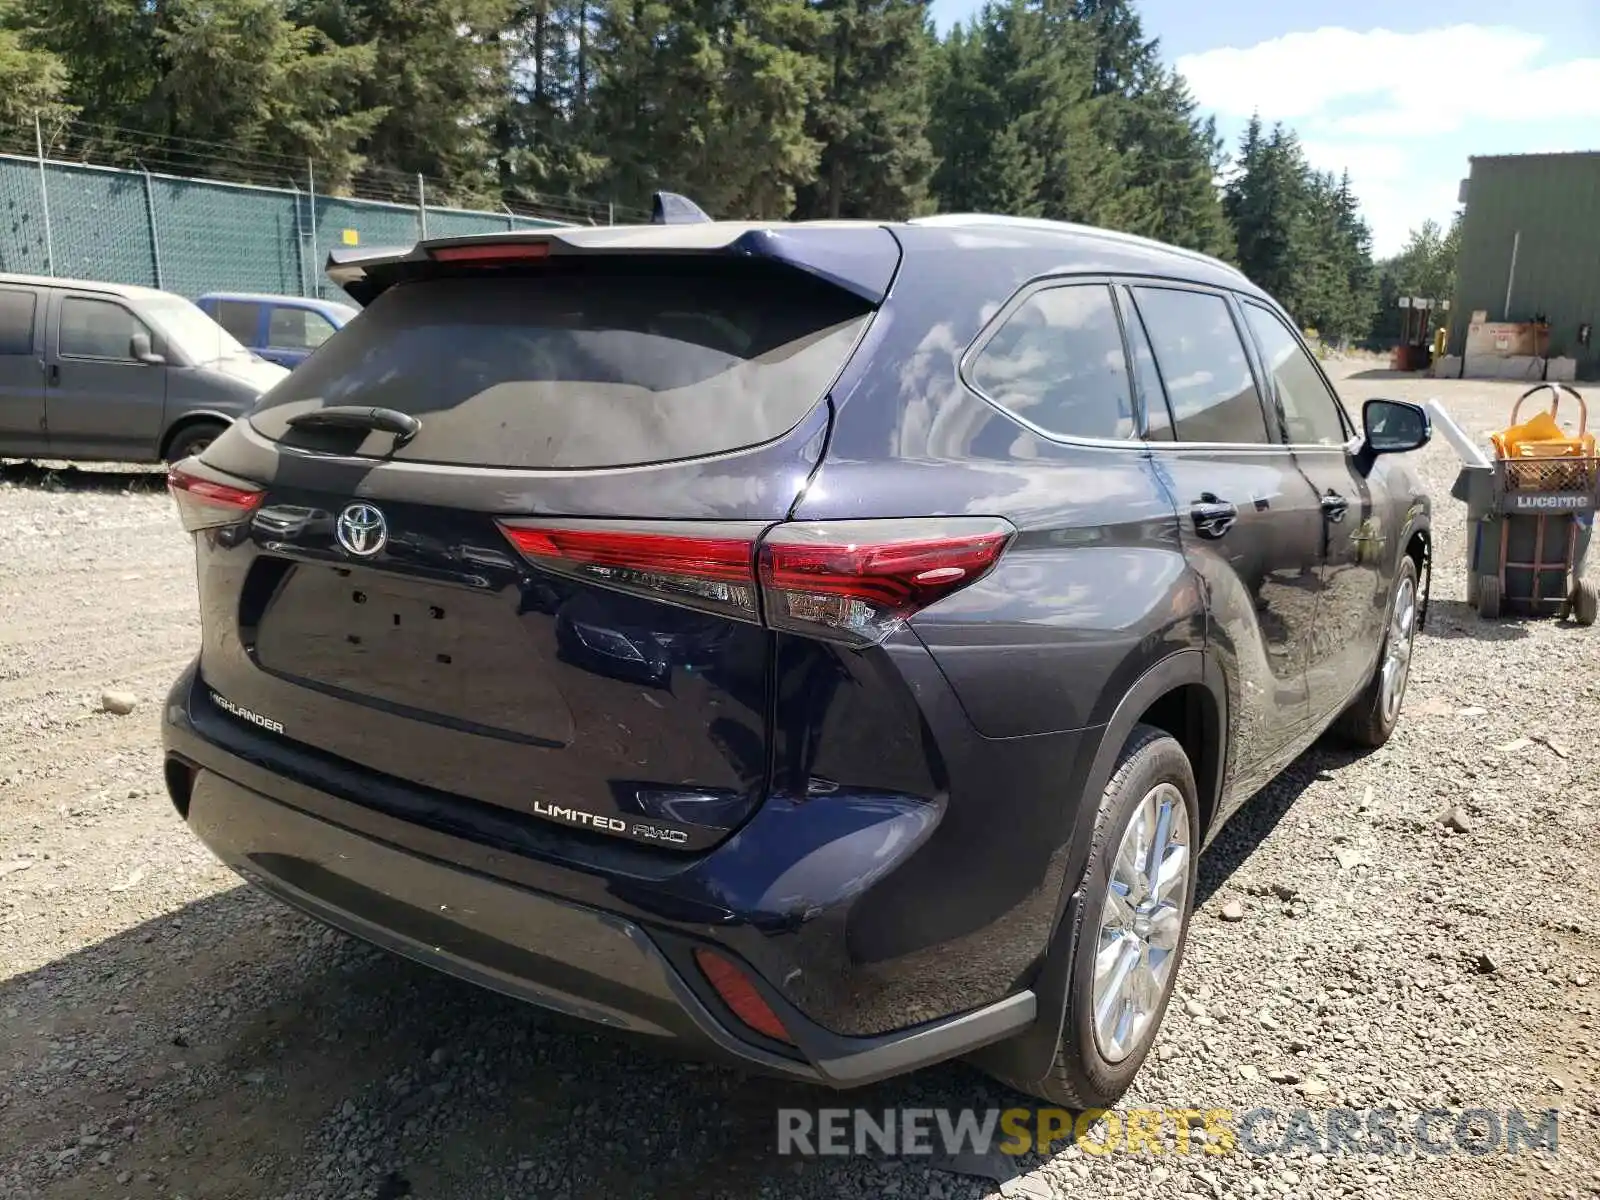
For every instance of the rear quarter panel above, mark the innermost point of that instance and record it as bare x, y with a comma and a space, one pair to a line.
1091, 595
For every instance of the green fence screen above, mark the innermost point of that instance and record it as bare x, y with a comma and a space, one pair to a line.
193, 236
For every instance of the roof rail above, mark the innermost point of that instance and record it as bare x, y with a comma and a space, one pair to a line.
1044, 225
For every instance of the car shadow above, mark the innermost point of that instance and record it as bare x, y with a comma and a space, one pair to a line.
1250, 825
1451, 619
1385, 373
69, 477
233, 1047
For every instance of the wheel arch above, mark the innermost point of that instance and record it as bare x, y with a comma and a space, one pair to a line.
1416, 543
188, 421
1184, 694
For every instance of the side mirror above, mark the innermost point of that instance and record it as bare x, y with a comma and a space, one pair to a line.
139, 348
1394, 426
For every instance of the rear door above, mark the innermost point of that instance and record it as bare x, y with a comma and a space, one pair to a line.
22, 430
101, 401
480, 608
1354, 595
293, 332
246, 320
1251, 521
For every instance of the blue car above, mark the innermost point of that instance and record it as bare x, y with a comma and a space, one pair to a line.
827, 645
281, 329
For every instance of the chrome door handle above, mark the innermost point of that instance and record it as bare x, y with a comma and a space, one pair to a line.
1212, 517
1334, 506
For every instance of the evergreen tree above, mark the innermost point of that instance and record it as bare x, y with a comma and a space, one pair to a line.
223, 87
1015, 120
437, 77
33, 81
542, 133
871, 120
1266, 201
709, 98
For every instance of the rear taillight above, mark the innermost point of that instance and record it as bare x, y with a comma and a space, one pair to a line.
849, 581
710, 566
205, 503
862, 580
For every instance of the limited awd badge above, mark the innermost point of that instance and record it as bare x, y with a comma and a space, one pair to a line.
361, 530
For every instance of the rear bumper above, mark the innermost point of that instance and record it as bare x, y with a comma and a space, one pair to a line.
449, 905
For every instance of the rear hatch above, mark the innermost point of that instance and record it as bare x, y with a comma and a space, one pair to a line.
507, 587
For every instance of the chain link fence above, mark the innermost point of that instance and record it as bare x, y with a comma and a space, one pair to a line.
191, 236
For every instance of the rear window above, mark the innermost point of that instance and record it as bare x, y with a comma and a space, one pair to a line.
16, 322
581, 370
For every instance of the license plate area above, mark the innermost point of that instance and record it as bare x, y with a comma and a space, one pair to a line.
424, 650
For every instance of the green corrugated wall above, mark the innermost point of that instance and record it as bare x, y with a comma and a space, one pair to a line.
193, 236
1554, 199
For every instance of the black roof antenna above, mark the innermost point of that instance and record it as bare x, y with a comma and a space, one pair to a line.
669, 208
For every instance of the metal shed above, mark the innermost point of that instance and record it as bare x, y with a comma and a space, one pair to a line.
1530, 246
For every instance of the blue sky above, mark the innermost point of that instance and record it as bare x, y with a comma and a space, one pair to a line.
1401, 95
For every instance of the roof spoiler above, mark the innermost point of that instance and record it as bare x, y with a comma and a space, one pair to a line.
861, 259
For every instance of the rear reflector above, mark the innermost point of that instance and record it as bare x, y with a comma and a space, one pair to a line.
490, 253
740, 995
205, 503
849, 581
862, 580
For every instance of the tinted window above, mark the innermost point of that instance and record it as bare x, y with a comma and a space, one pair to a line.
1058, 363
241, 318
1310, 410
97, 329
16, 322
297, 329
584, 370
1146, 379
1203, 363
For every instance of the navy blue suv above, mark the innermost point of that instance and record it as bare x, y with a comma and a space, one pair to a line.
826, 644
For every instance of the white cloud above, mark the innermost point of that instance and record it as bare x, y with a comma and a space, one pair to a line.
1413, 82
1404, 111
1365, 161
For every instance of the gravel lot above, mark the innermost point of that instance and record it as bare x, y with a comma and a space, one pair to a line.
167, 1032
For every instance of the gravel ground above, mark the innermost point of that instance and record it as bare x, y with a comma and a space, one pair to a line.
167, 1032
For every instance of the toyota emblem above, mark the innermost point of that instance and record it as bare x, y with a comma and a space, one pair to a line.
362, 530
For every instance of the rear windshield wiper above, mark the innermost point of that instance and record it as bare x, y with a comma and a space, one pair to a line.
359, 416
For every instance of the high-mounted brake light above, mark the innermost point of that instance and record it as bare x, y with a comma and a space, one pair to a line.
854, 582
491, 252
206, 503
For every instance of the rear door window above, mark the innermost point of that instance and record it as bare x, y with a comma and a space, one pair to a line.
1203, 363
602, 368
16, 321
241, 318
1057, 362
293, 328
1146, 378
1310, 410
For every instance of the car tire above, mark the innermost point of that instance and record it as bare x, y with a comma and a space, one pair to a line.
1370, 721
1489, 597
1585, 602
1154, 786
192, 440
